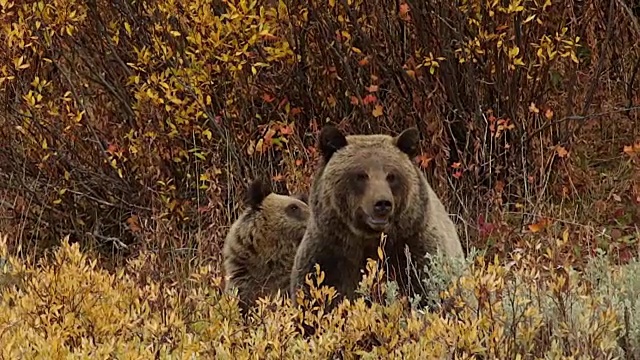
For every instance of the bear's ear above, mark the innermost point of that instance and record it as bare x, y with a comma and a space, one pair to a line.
409, 142
331, 140
257, 191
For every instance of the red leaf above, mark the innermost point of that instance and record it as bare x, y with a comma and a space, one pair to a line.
112, 148
286, 130
369, 99
268, 97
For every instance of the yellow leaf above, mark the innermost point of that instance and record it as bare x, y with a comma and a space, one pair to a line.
514, 52
207, 133
377, 110
533, 108
574, 57
44, 144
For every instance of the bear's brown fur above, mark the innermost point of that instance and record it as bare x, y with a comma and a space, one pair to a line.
367, 185
259, 249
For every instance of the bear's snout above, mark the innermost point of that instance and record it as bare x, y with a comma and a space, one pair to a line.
378, 214
382, 208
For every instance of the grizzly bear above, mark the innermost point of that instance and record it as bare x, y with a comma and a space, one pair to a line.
367, 185
259, 249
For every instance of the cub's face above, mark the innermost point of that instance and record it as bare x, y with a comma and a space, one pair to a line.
281, 216
288, 211
369, 177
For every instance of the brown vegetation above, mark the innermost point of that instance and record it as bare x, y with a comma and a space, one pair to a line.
133, 127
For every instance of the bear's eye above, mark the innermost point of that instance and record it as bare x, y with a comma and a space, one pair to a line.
362, 176
294, 211
391, 178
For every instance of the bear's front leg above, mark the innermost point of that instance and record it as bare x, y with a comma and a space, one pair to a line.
340, 272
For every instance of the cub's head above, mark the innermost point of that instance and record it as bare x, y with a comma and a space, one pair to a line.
368, 179
279, 216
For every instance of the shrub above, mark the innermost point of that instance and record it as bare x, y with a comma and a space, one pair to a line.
67, 306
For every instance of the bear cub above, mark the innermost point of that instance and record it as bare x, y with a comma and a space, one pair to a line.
367, 185
259, 249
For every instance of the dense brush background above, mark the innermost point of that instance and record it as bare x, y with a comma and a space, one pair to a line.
131, 129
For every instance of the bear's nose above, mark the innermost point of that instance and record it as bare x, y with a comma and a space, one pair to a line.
382, 207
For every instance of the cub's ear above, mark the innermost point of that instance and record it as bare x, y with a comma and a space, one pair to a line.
331, 140
409, 142
257, 191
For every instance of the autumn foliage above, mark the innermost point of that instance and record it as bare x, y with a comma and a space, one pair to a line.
66, 306
133, 127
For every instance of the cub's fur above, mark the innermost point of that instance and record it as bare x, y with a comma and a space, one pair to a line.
259, 249
367, 185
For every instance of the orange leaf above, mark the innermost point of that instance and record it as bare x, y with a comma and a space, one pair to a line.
533, 108
377, 111
363, 62
354, 100
424, 160
562, 152
536, 227
298, 162
372, 88
269, 135
133, 223
548, 114
628, 149
632, 149
404, 9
